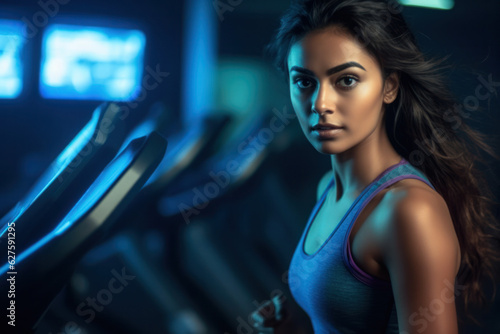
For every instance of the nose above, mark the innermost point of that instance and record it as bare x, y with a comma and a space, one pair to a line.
322, 101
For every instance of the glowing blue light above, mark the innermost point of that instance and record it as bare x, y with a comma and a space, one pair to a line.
436, 4
78, 143
199, 60
11, 71
81, 62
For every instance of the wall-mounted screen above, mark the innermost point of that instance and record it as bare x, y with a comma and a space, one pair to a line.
91, 63
11, 69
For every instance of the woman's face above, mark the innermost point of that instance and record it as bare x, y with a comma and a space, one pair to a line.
333, 80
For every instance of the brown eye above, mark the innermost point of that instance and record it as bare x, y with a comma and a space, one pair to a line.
348, 82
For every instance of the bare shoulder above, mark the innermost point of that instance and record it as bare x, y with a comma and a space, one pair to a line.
421, 220
417, 198
323, 183
418, 203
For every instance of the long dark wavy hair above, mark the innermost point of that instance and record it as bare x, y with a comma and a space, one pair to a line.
424, 124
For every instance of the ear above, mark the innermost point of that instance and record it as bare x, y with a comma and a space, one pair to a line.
391, 87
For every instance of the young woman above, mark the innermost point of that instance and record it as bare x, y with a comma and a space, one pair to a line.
403, 223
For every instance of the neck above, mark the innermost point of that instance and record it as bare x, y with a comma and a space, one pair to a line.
357, 167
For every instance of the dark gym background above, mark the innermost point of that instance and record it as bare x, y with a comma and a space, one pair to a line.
208, 275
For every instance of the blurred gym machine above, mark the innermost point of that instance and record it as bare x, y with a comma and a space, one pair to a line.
45, 251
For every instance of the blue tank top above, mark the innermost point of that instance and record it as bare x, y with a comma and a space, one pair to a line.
338, 296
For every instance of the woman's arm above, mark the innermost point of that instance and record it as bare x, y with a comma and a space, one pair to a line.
422, 256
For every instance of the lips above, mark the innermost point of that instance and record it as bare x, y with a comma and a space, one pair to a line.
326, 126
327, 131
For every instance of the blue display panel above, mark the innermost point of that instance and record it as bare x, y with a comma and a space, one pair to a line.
11, 70
91, 63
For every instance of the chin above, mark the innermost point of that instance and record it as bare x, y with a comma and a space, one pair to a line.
329, 148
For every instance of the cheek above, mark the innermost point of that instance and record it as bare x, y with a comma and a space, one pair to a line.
365, 104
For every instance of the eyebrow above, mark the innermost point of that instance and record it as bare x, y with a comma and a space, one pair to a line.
330, 71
